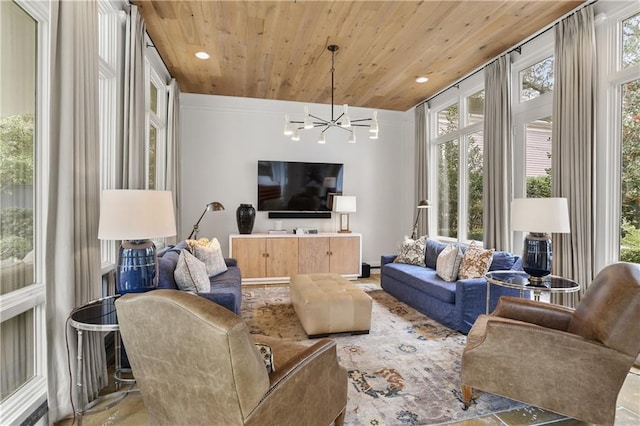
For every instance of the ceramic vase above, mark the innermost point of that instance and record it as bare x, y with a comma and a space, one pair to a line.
245, 216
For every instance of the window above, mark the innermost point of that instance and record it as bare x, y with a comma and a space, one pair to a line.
536, 79
630, 173
156, 128
457, 143
631, 41
23, 32
538, 157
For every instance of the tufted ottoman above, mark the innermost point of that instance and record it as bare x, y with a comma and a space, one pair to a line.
328, 303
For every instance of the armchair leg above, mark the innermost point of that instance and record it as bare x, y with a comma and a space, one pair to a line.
339, 421
467, 391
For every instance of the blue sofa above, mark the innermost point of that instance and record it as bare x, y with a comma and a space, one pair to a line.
454, 304
225, 287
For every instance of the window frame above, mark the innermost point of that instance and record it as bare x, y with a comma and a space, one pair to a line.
26, 400
455, 95
610, 78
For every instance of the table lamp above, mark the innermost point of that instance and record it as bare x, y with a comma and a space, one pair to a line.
344, 204
423, 204
135, 216
539, 217
212, 206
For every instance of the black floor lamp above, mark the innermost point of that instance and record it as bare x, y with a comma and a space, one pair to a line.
212, 206
423, 204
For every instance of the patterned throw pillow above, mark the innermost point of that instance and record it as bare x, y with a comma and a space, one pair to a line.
267, 356
448, 262
412, 252
475, 262
212, 258
191, 274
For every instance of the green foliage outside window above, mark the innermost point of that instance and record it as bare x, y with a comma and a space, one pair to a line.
16, 170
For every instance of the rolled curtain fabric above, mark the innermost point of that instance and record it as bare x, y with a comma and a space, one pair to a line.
73, 260
572, 154
497, 184
422, 166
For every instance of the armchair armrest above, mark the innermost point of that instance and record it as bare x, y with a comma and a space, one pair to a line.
230, 261
540, 313
289, 387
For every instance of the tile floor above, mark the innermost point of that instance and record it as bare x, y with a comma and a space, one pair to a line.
131, 411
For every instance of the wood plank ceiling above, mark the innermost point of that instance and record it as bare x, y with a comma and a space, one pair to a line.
278, 49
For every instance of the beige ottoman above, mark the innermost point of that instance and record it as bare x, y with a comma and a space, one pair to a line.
328, 303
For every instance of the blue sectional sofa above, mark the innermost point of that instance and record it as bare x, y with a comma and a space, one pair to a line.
225, 287
454, 304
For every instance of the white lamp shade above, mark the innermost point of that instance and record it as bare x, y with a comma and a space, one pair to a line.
132, 214
542, 215
344, 204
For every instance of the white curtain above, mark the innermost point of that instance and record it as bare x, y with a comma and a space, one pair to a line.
72, 268
131, 155
498, 156
173, 151
422, 167
573, 143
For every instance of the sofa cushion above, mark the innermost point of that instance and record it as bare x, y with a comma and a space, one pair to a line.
432, 250
425, 280
448, 262
412, 252
191, 274
475, 262
502, 261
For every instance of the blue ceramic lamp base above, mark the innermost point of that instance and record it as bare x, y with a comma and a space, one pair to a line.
137, 267
537, 256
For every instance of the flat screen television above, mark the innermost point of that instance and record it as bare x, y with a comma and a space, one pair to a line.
298, 186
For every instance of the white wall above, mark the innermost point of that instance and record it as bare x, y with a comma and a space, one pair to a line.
224, 137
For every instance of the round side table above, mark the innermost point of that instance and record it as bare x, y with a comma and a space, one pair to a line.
520, 281
100, 316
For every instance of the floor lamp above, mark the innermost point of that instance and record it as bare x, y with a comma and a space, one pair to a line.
212, 206
134, 217
423, 204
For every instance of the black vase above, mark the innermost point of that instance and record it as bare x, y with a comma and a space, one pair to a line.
245, 216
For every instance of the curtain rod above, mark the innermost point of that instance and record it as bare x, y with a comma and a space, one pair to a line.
516, 47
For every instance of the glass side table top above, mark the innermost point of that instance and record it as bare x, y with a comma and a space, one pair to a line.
520, 280
99, 315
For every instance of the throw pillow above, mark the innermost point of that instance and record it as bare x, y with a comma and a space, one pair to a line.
199, 242
448, 262
191, 274
432, 250
412, 252
212, 259
267, 356
476, 262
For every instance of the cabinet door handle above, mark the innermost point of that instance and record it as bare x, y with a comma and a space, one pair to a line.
266, 254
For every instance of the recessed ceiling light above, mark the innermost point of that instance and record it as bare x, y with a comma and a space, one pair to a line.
422, 79
202, 55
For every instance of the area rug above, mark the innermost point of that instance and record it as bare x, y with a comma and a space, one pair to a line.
405, 371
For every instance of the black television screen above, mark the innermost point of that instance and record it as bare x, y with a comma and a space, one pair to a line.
297, 186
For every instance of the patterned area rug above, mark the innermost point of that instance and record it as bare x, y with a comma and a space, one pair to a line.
406, 371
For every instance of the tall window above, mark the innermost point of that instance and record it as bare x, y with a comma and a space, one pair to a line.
532, 104
156, 128
630, 152
458, 148
22, 381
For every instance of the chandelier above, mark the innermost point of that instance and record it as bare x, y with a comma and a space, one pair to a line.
343, 121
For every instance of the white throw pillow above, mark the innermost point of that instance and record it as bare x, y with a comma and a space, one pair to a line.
448, 262
212, 258
191, 274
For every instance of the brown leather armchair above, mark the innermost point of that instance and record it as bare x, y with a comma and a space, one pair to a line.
196, 363
570, 362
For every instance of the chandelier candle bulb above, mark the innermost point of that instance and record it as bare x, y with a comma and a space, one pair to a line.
346, 121
322, 139
308, 124
288, 127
